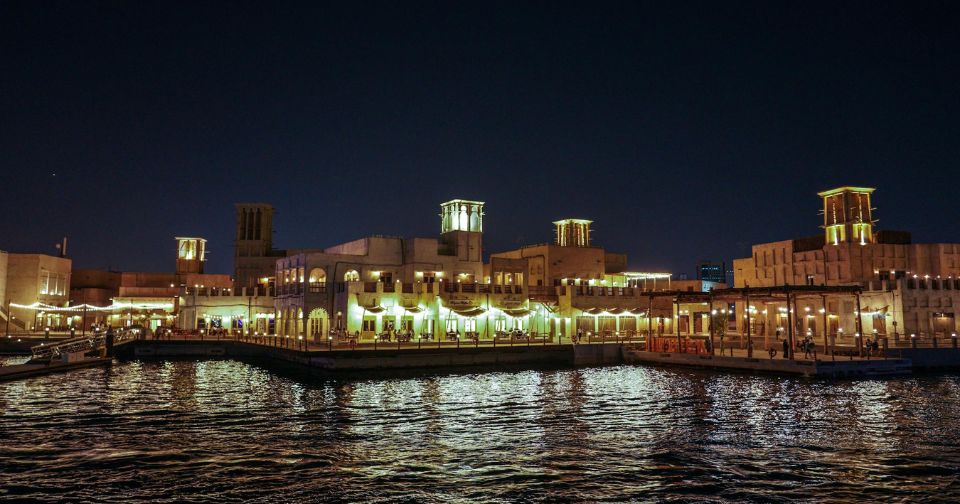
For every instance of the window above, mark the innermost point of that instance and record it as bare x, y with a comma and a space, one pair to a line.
52, 284
518, 323
500, 325
451, 325
369, 324
318, 276
386, 277
351, 276
470, 325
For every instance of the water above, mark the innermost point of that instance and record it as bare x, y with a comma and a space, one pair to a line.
225, 430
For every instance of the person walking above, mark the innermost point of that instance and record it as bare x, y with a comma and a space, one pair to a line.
786, 349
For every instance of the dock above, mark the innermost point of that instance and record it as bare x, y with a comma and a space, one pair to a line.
60, 356
18, 371
289, 353
412, 357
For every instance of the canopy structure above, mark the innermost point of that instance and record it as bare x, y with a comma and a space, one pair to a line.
516, 312
375, 309
471, 311
412, 309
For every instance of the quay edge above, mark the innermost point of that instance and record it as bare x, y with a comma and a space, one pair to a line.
530, 356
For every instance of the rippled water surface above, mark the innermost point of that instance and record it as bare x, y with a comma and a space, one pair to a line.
225, 430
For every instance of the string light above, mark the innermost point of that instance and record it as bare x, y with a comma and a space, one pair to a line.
113, 307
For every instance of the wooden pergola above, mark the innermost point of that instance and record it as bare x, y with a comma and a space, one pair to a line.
777, 294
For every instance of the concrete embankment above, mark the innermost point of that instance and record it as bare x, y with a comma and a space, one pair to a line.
358, 360
820, 368
928, 359
898, 362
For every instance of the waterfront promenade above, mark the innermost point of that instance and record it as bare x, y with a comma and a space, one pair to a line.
420, 355
845, 361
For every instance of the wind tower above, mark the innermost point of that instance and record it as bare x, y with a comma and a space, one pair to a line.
253, 243
191, 254
573, 232
461, 229
848, 215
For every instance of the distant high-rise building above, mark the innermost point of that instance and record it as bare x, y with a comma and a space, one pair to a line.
712, 271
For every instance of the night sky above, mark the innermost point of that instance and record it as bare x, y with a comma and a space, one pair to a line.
685, 132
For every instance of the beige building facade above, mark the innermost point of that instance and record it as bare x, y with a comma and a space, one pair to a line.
35, 279
909, 289
377, 288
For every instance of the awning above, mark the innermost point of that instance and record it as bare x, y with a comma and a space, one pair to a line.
518, 312
550, 307
614, 311
638, 311
374, 309
471, 311
413, 309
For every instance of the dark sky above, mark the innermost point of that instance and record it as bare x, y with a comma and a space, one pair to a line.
684, 131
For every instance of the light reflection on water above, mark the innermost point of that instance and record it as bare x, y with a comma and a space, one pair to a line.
215, 430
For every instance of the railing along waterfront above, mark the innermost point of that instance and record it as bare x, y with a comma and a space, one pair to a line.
346, 341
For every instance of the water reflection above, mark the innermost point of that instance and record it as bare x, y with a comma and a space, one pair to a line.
222, 430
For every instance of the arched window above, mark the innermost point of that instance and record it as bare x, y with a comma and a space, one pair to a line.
318, 276
351, 276
464, 220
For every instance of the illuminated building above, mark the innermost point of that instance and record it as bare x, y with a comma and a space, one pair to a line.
378, 286
150, 299
379, 283
909, 288
570, 260
28, 279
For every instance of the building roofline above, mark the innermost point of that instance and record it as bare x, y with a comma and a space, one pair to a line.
458, 200
838, 190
